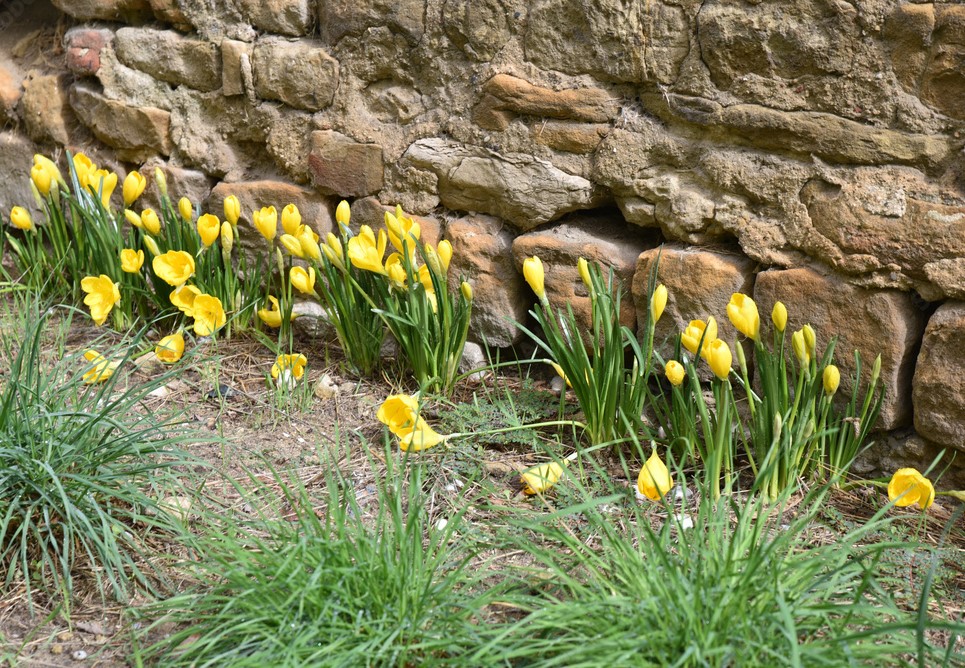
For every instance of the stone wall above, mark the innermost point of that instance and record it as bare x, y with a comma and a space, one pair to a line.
802, 150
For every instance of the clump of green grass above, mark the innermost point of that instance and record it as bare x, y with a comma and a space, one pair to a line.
83, 471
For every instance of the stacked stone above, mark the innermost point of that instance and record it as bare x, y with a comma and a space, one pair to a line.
807, 151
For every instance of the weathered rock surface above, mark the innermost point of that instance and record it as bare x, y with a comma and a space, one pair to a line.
16, 157
338, 18
286, 17
136, 132
341, 166
939, 384
874, 322
298, 73
84, 45
522, 189
134, 11
45, 108
483, 255
506, 93
169, 56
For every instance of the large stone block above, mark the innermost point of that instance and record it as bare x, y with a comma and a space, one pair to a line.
342, 166
600, 238
11, 90
84, 45
317, 211
520, 188
299, 73
235, 67
170, 56
123, 11
137, 132
16, 159
939, 384
45, 108
337, 18
699, 284
509, 93
285, 17
885, 322
480, 27
483, 255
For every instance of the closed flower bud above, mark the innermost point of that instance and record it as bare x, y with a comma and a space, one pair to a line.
186, 209
810, 339
444, 250
291, 219
266, 222
292, 245
152, 246
675, 372
533, 273
743, 314
227, 237
162, 181
801, 350
20, 218
466, 291
232, 209
133, 219
719, 358
658, 302
654, 480
343, 213
583, 268
209, 227
41, 178
303, 280
150, 221
779, 316
309, 243
133, 186
832, 378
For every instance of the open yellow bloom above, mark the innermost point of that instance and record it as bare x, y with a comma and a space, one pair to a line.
131, 260
399, 413
209, 228
908, 486
697, 329
831, 379
183, 298
719, 358
42, 179
675, 373
658, 302
150, 221
422, 437
20, 218
170, 349
174, 267
533, 273
232, 209
102, 294
266, 222
743, 314
540, 478
303, 280
134, 185
101, 368
104, 182
291, 219
365, 252
654, 480
209, 315
271, 316
186, 209
289, 366
779, 316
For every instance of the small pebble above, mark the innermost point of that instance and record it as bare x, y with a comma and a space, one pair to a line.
557, 385
684, 521
682, 493
441, 524
79, 655
56, 648
326, 388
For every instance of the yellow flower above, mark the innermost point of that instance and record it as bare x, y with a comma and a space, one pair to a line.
291, 219
209, 315
20, 218
131, 260
333, 251
831, 378
101, 369
559, 372
444, 251
170, 348
183, 298
292, 245
395, 270
42, 178
801, 350
266, 222
540, 478
533, 273
425, 277
271, 316
150, 221
133, 219
719, 358
51, 172
908, 487
104, 182
102, 294
161, 180
399, 413
779, 316
365, 252
675, 372
186, 209
83, 167
466, 291
697, 329
658, 302
134, 185
232, 209
227, 237
289, 367
402, 229
810, 340
343, 213
308, 240
743, 314
152, 246
209, 227
303, 280
422, 437
654, 480
583, 268
174, 267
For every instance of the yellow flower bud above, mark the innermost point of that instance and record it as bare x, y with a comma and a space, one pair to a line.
696, 330
303, 279
801, 350
779, 316
810, 339
291, 219
150, 221
186, 209
743, 314
309, 243
292, 245
133, 219
831, 378
444, 250
658, 302
42, 179
134, 185
232, 209
20, 218
675, 372
227, 237
540, 478
131, 260
533, 273
343, 213
654, 480
466, 291
152, 246
583, 268
266, 222
719, 358
209, 227
162, 181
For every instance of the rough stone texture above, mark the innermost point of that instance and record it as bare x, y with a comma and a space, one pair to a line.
84, 46
169, 11
525, 190
569, 137
480, 27
338, 18
317, 211
171, 57
483, 255
45, 108
939, 384
235, 60
342, 166
870, 321
11, 91
699, 284
300, 73
506, 93
598, 238
136, 132
16, 157
286, 17
905, 448
132, 11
